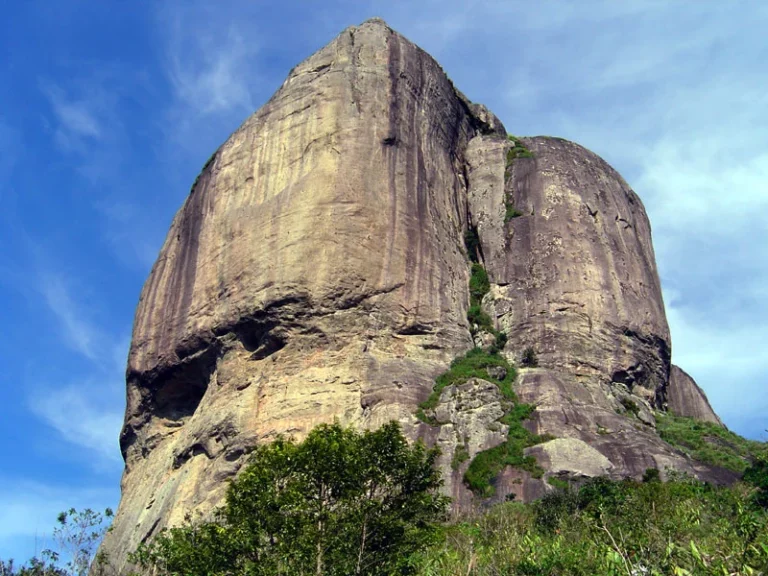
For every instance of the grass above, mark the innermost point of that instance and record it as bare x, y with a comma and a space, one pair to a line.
610, 528
478, 318
708, 442
473, 364
488, 464
460, 456
558, 483
479, 284
518, 150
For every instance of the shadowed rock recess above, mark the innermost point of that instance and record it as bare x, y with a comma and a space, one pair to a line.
318, 271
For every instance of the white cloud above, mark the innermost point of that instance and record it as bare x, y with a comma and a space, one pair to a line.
85, 414
88, 413
28, 511
673, 96
210, 77
211, 63
78, 333
77, 119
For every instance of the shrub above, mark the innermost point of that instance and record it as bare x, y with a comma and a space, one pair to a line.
529, 359
460, 456
682, 527
479, 284
472, 243
473, 364
757, 475
630, 405
511, 212
651, 475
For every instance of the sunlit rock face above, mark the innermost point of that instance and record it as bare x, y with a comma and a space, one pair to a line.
317, 272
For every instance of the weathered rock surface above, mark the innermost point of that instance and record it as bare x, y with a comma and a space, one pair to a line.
685, 398
620, 443
469, 414
576, 275
317, 271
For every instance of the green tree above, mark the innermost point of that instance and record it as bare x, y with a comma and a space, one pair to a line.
339, 503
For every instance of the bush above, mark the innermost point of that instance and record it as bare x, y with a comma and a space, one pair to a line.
529, 359
611, 528
757, 476
472, 243
630, 406
473, 364
511, 212
651, 475
479, 284
339, 503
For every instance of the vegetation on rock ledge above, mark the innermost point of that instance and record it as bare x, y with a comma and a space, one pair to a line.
473, 364
486, 465
518, 150
708, 442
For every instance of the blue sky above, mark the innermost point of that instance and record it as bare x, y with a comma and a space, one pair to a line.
108, 110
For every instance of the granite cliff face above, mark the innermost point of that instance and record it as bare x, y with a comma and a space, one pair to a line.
318, 271
685, 398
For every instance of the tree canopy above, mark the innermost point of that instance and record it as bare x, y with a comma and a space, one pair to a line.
339, 503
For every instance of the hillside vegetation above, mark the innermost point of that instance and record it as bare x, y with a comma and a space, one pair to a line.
367, 503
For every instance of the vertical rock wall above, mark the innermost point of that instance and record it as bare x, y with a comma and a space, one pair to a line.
685, 398
317, 271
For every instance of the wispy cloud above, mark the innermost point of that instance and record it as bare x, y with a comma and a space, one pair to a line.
77, 332
77, 120
89, 411
212, 67
209, 76
85, 414
28, 511
674, 97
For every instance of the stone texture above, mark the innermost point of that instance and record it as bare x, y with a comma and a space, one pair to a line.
577, 277
469, 413
317, 272
572, 456
591, 413
685, 398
